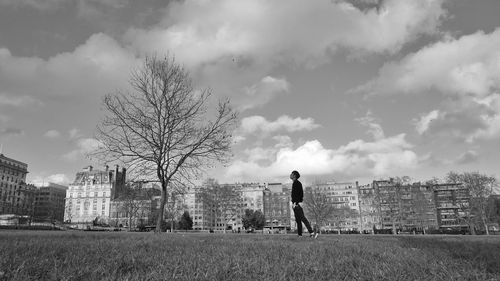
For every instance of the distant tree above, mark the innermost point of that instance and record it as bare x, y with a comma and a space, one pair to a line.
174, 206
186, 223
223, 200
404, 180
247, 219
432, 181
388, 200
129, 202
259, 220
420, 206
341, 214
494, 209
162, 130
321, 207
480, 187
253, 219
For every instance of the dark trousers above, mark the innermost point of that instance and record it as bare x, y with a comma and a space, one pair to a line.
299, 218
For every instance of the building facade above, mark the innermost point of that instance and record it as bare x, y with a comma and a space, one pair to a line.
16, 197
89, 196
343, 196
49, 203
277, 207
452, 205
368, 209
408, 207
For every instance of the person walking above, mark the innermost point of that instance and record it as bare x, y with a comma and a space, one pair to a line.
297, 197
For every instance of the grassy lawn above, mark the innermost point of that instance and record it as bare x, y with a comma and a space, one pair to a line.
28, 255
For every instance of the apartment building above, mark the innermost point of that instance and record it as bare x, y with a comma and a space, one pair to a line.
452, 205
89, 196
344, 196
49, 202
16, 197
277, 208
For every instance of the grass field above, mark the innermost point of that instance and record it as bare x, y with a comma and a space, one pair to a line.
27, 255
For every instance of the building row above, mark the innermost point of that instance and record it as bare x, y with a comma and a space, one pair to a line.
103, 196
26, 202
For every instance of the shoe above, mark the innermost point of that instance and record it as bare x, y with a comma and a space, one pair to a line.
314, 235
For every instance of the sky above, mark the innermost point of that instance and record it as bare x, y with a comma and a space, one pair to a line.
352, 90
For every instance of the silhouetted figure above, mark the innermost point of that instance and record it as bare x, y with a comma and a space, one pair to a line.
297, 197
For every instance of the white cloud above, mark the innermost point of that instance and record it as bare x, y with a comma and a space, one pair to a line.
383, 157
271, 32
465, 66
90, 70
74, 133
18, 101
260, 125
52, 134
261, 93
422, 124
37, 4
55, 178
51, 5
467, 157
374, 128
84, 146
466, 71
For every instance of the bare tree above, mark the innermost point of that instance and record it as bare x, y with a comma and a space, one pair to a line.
321, 207
131, 202
420, 206
223, 200
480, 187
174, 208
388, 200
342, 213
162, 130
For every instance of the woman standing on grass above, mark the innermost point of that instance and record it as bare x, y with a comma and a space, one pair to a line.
297, 197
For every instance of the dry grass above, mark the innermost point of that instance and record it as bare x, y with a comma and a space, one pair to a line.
146, 256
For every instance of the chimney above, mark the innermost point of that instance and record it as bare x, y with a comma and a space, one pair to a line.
90, 168
107, 168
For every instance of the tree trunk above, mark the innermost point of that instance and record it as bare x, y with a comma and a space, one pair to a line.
472, 229
485, 226
162, 207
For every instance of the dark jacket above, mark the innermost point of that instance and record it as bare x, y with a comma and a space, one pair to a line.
297, 192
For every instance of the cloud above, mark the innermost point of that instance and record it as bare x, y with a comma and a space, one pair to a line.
422, 124
259, 125
382, 157
464, 71
18, 101
11, 132
84, 146
467, 157
44, 5
74, 134
261, 93
88, 71
273, 32
374, 128
52, 134
465, 66
55, 178
52, 5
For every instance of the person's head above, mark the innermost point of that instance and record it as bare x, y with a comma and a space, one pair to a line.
294, 175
